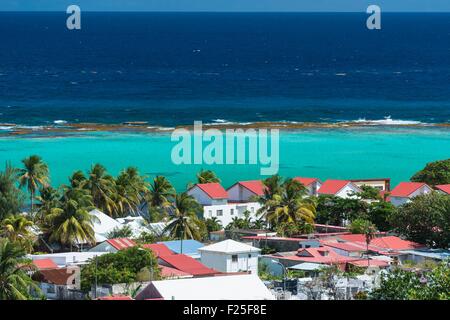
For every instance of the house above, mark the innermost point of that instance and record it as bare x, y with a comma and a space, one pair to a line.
64, 259
186, 264
425, 254
348, 249
113, 245
46, 263
382, 184
103, 224
188, 247
339, 188
214, 199
245, 191
230, 256
321, 255
159, 249
443, 188
137, 225
405, 191
172, 273
281, 244
57, 284
312, 184
230, 287
208, 194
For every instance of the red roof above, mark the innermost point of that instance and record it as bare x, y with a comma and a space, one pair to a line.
116, 297
159, 249
213, 190
345, 246
306, 181
444, 187
168, 272
187, 264
62, 276
255, 186
322, 255
333, 186
394, 243
373, 263
121, 243
404, 189
45, 264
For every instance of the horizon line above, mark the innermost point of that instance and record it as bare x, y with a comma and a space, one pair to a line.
208, 11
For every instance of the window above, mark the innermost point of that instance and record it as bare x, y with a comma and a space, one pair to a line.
252, 209
234, 258
249, 255
231, 211
219, 213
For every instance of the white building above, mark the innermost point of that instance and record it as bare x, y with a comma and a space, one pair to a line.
230, 256
232, 287
312, 185
67, 259
113, 245
405, 191
245, 191
214, 199
339, 188
103, 224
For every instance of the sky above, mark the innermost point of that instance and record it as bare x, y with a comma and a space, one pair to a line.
228, 5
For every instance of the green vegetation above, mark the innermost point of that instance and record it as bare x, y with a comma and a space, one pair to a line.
207, 176
406, 285
15, 284
125, 266
286, 202
434, 173
123, 232
426, 219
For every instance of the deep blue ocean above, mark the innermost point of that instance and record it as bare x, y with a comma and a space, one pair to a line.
174, 68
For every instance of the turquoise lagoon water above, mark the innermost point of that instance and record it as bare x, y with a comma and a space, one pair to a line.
327, 153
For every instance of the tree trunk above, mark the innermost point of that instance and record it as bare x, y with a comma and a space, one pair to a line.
31, 201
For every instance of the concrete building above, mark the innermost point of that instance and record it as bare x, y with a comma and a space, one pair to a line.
230, 287
339, 188
214, 199
311, 184
245, 191
382, 184
405, 191
230, 256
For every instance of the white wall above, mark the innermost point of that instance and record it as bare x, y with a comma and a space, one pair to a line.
398, 201
345, 192
227, 216
239, 193
223, 261
200, 196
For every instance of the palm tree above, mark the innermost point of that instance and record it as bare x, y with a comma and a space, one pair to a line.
11, 198
77, 179
288, 204
17, 228
102, 188
15, 284
48, 199
369, 230
34, 174
72, 223
213, 224
130, 191
184, 223
207, 176
160, 194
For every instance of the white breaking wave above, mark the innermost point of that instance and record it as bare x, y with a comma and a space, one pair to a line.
388, 121
60, 122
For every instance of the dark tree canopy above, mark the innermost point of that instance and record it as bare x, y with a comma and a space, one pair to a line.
434, 173
426, 219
